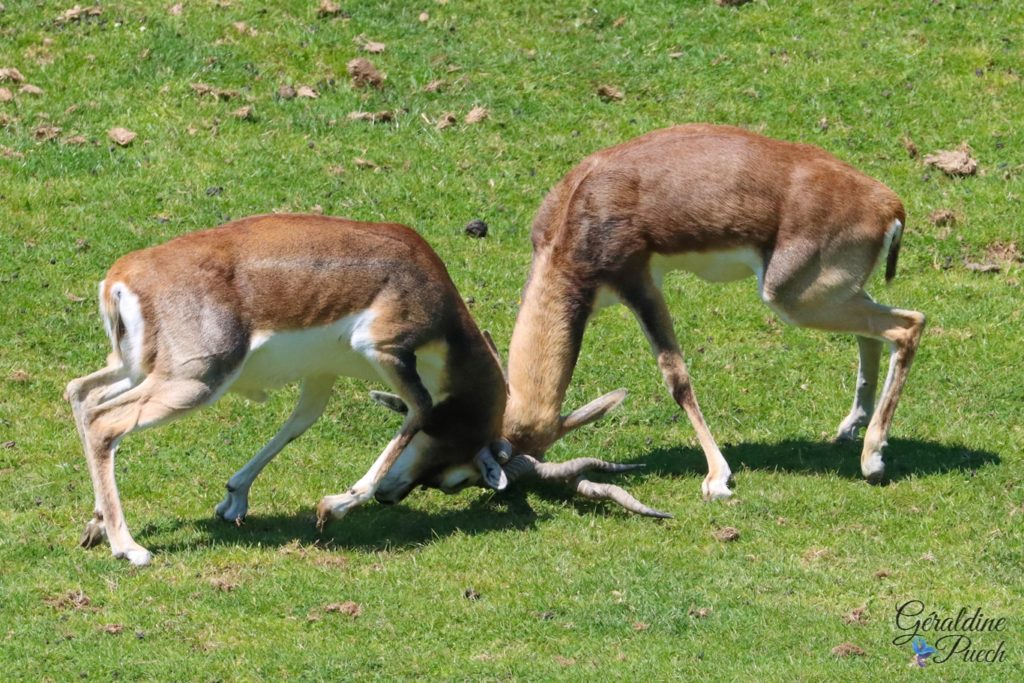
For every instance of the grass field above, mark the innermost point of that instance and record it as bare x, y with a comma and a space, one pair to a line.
564, 589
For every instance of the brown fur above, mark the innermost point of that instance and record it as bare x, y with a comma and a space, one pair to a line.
702, 187
817, 223
281, 272
203, 296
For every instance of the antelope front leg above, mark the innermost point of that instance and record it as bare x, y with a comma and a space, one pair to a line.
398, 369
648, 305
337, 506
312, 401
716, 484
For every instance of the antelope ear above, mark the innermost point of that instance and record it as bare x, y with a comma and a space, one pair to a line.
391, 401
490, 470
593, 411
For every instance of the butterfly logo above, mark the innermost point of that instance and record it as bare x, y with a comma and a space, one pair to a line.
922, 651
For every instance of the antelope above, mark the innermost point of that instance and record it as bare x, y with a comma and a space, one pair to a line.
265, 301
723, 203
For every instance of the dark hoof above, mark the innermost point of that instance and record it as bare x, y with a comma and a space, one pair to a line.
876, 479
92, 536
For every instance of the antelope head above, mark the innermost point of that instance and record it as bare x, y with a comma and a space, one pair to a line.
502, 463
440, 456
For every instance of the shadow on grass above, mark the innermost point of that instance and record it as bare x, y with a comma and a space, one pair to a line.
903, 458
376, 527
372, 527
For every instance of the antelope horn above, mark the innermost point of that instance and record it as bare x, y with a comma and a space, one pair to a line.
523, 465
617, 494
520, 466
560, 471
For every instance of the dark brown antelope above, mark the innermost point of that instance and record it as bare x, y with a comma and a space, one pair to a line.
268, 300
723, 203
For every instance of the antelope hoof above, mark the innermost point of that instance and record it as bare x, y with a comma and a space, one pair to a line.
323, 514
873, 468
93, 533
715, 489
333, 507
138, 556
849, 429
847, 433
234, 506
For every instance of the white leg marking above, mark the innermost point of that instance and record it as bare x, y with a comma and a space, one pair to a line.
849, 428
140, 557
339, 505
312, 401
717, 489
83, 393
399, 478
122, 545
873, 467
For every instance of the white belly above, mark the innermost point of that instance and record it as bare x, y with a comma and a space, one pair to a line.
713, 266
281, 357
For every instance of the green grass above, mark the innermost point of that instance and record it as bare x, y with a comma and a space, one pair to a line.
568, 589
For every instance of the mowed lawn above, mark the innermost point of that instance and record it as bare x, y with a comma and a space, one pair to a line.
529, 584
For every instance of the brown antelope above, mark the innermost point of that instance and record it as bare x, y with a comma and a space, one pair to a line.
268, 300
724, 204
